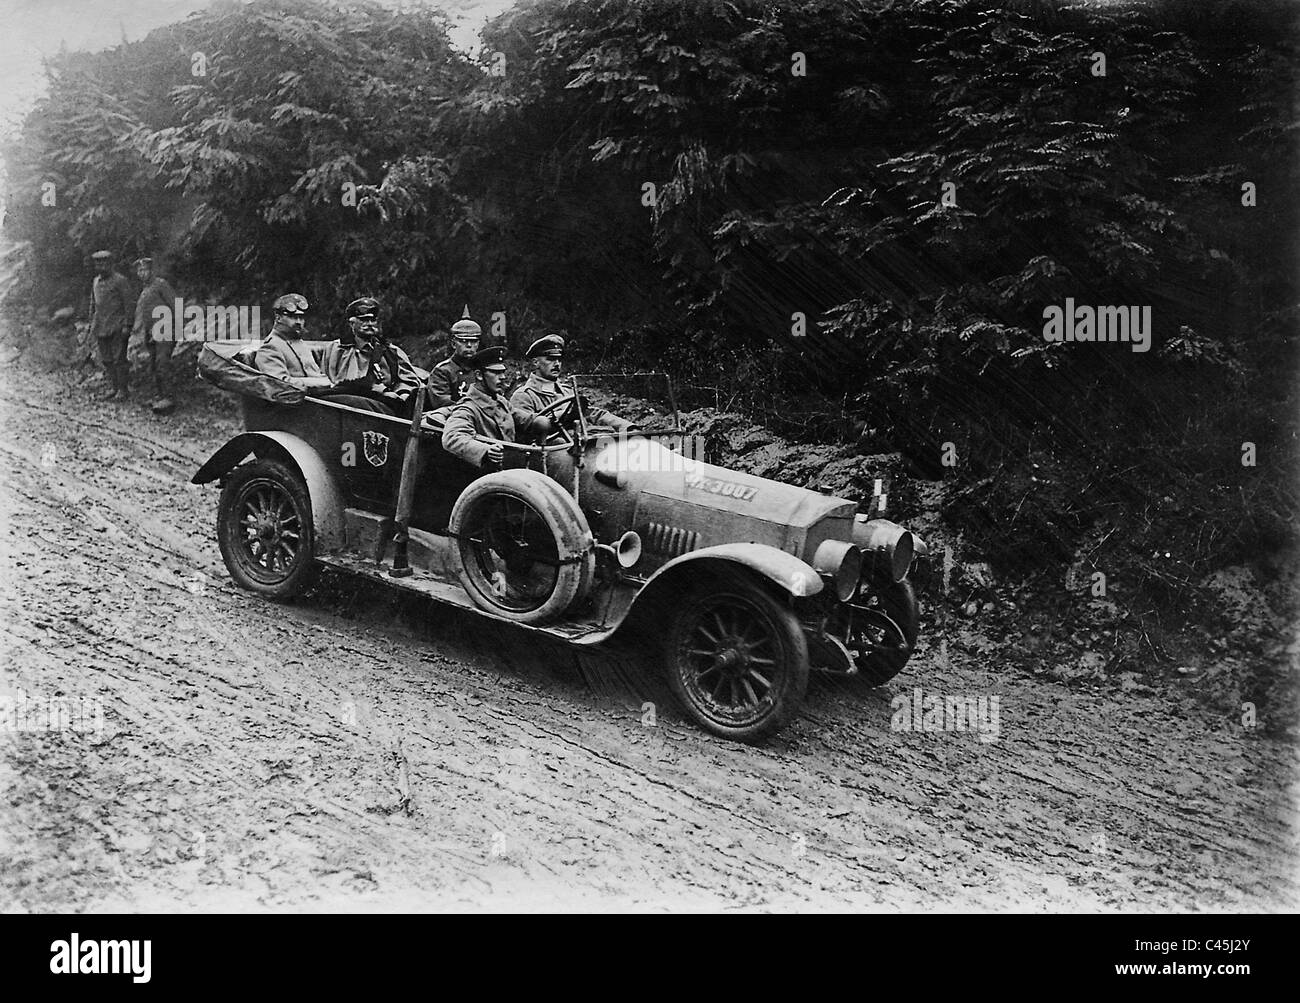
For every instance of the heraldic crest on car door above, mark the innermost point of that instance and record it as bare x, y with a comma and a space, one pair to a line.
374, 445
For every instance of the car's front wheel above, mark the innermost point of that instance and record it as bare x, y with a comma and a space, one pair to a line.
883, 632
737, 660
265, 531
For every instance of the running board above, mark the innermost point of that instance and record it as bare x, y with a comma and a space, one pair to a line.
433, 575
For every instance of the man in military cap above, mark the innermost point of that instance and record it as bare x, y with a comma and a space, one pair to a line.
542, 389
482, 412
283, 354
450, 378
155, 292
370, 365
111, 309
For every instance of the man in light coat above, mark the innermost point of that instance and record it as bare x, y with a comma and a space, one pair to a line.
283, 354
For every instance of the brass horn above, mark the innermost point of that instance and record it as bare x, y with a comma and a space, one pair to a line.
625, 551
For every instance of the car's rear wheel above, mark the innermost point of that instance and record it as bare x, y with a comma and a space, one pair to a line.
525, 547
265, 531
737, 660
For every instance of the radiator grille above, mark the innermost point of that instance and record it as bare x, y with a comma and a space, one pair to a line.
669, 541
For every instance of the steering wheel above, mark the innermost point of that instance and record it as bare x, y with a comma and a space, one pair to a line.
568, 406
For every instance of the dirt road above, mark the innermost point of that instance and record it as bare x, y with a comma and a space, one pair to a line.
350, 751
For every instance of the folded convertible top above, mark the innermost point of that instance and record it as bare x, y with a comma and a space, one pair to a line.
222, 364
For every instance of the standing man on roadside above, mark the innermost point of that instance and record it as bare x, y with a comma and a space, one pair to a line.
111, 310
449, 380
283, 354
155, 292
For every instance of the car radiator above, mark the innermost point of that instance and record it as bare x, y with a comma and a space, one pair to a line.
667, 542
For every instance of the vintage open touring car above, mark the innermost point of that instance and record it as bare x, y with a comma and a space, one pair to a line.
744, 583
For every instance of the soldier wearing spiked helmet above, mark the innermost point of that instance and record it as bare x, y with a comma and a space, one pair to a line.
450, 379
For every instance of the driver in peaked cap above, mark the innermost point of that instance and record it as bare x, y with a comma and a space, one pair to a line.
481, 414
542, 389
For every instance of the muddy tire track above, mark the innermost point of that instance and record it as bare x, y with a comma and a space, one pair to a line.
352, 750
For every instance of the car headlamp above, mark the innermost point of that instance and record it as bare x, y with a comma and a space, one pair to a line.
889, 547
841, 564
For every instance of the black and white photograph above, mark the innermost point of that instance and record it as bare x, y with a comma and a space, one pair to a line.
663, 457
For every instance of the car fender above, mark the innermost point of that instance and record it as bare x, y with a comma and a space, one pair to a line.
326, 498
794, 576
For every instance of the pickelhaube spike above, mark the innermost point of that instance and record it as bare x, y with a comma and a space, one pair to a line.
465, 327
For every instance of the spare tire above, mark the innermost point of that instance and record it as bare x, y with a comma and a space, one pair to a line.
526, 551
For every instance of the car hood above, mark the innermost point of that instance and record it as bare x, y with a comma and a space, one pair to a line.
657, 472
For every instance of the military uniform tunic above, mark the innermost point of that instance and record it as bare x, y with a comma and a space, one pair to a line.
448, 383
537, 393
477, 414
112, 305
384, 367
284, 359
156, 293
